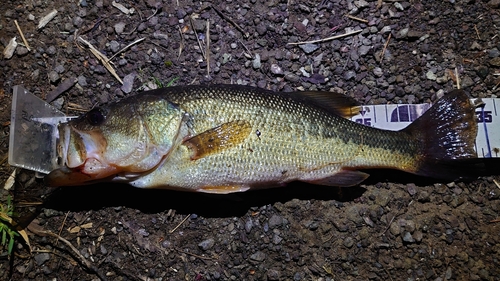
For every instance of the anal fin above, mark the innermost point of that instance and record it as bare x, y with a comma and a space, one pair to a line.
344, 178
224, 189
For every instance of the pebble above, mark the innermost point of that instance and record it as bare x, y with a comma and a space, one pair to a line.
54, 76
119, 27
51, 50
21, 51
256, 64
82, 81
128, 83
377, 71
275, 221
206, 244
258, 256
273, 275
348, 242
59, 68
348, 75
248, 225
482, 71
495, 61
430, 75
363, 50
408, 238
114, 46
276, 69
42, 258
309, 47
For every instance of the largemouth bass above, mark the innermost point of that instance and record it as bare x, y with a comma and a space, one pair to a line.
227, 138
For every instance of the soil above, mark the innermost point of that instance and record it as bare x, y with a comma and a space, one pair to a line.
392, 227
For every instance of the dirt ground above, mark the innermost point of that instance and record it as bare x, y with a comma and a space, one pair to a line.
392, 227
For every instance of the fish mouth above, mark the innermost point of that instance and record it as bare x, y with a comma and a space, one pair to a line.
80, 156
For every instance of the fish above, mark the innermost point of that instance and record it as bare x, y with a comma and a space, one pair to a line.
232, 138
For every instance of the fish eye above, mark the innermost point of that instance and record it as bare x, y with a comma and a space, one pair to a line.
95, 117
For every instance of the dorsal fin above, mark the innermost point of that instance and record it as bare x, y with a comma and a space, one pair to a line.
335, 103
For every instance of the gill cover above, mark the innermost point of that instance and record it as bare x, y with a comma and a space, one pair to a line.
124, 139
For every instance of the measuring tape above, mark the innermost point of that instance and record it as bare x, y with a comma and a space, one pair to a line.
398, 116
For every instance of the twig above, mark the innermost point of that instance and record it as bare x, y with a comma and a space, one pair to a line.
22, 36
184, 220
102, 58
81, 258
126, 47
356, 18
477, 32
326, 39
62, 226
181, 45
197, 39
245, 34
385, 47
207, 49
379, 4
496, 183
458, 78
194, 255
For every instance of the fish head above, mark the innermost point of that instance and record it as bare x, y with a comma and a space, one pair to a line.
123, 140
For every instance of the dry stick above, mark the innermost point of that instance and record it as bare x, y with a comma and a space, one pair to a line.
458, 78
207, 50
385, 47
326, 39
356, 18
102, 58
62, 225
126, 47
22, 36
175, 228
245, 34
477, 32
81, 258
181, 45
197, 39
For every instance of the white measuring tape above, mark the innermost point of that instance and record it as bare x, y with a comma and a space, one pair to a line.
398, 116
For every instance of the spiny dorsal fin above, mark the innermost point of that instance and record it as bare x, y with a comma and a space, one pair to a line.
335, 103
218, 139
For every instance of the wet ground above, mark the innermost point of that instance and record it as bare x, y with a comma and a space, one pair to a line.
392, 227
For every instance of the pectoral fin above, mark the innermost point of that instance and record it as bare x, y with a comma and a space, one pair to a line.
218, 139
344, 178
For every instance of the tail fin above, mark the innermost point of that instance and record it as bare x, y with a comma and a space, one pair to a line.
446, 132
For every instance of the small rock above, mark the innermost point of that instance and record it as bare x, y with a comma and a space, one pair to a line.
42, 258
466, 81
349, 75
309, 48
493, 53
495, 61
54, 76
119, 27
273, 275
377, 71
51, 50
59, 68
128, 83
361, 4
21, 51
276, 69
275, 221
258, 256
363, 50
114, 46
482, 71
348, 242
248, 225
261, 29
408, 238
430, 75
494, 3
206, 244
82, 81
256, 64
